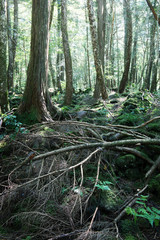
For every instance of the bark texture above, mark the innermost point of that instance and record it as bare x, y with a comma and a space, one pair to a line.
3, 74
128, 44
12, 42
147, 82
67, 54
153, 11
97, 60
35, 97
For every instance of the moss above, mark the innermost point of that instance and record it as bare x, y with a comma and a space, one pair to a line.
129, 228
128, 166
154, 186
154, 127
130, 237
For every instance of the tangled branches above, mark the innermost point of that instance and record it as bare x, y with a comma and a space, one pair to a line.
67, 166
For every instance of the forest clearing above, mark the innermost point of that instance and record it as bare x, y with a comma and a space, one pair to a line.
79, 120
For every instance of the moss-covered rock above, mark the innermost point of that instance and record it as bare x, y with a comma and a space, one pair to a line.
128, 166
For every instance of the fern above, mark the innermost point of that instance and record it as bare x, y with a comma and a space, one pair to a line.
151, 214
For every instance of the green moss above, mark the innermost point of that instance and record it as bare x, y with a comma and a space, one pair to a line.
154, 127
129, 228
154, 186
128, 166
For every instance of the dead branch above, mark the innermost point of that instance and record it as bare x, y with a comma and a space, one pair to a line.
153, 168
136, 153
139, 126
99, 144
123, 212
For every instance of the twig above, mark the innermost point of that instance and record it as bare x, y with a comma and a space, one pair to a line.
61, 170
139, 126
91, 223
130, 204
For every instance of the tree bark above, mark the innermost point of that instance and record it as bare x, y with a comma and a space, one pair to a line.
60, 75
97, 60
67, 54
101, 16
128, 44
153, 11
133, 73
35, 97
12, 43
147, 82
3, 58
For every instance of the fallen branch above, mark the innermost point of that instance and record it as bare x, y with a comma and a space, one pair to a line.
130, 204
139, 126
99, 144
136, 153
153, 168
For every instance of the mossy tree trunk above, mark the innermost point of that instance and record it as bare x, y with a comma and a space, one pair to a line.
35, 97
97, 60
67, 54
3, 74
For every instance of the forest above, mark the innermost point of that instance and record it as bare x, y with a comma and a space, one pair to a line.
80, 119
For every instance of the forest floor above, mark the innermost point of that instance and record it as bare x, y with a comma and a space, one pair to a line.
92, 175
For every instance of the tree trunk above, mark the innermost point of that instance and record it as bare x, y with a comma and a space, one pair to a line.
147, 82
154, 77
156, 16
35, 97
87, 52
128, 44
134, 51
12, 43
67, 54
3, 45
59, 52
101, 16
97, 60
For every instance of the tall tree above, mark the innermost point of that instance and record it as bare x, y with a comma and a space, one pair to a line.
59, 65
128, 44
3, 44
101, 27
67, 54
97, 60
147, 82
35, 97
133, 72
12, 42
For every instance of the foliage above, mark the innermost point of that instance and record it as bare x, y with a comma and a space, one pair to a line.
103, 185
12, 125
151, 214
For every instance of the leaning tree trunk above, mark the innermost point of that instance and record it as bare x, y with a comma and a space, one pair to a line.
3, 74
12, 42
97, 60
128, 44
67, 54
34, 98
